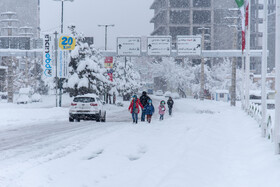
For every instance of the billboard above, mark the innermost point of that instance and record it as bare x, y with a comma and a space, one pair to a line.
49, 58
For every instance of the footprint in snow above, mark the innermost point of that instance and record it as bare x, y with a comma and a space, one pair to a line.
141, 151
95, 154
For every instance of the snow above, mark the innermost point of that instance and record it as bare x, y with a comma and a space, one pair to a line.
203, 144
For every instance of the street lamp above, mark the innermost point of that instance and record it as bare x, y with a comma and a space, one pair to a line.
106, 27
62, 7
202, 81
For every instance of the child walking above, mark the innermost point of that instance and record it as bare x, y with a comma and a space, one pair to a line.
134, 108
161, 109
149, 110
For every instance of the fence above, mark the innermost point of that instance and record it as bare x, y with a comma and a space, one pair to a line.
255, 111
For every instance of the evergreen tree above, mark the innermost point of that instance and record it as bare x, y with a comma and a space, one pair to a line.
87, 72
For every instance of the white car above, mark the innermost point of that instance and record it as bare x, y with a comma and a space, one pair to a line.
87, 107
36, 98
23, 99
175, 95
167, 94
159, 93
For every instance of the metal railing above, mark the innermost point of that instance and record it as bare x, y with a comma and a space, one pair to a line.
255, 111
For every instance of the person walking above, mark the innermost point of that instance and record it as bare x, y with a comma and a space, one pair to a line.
134, 108
144, 101
161, 109
170, 104
149, 110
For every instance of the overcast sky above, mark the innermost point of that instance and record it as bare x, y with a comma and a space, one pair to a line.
131, 17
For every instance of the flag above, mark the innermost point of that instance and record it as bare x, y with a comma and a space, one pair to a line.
247, 13
241, 6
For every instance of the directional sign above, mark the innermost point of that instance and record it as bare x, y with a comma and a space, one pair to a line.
159, 46
189, 45
67, 43
129, 46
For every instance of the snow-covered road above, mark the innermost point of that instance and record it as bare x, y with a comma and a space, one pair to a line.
202, 144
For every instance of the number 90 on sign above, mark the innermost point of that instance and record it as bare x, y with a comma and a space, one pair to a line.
67, 43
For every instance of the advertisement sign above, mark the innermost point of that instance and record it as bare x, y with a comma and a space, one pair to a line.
67, 43
63, 63
108, 63
189, 45
49, 58
129, 46
159, 46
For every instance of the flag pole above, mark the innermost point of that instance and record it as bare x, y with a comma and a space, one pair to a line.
248, 46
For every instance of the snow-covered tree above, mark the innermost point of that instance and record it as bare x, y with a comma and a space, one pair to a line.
127, 80
87, 72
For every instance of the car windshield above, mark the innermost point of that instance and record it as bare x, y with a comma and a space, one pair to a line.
84, 99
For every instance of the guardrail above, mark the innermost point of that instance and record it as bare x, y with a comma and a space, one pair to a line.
255, 111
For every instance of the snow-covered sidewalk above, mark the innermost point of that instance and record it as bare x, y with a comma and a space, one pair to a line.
204, 144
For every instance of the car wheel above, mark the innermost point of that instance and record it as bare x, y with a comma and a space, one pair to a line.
98, 117
78, 120
71, 119
104, 117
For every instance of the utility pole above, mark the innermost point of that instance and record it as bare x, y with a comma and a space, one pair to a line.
55, 54
264, 70
202, 81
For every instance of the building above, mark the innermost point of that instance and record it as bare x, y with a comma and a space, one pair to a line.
185, 17
28, 15
271, 33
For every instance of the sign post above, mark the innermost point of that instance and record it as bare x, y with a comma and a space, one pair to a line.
65, 44
129, 46
189, 45
159, 46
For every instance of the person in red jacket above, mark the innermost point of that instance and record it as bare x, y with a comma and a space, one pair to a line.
134, 108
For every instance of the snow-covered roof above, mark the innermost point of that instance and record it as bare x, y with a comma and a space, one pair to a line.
87, 95
24, 90
256, 92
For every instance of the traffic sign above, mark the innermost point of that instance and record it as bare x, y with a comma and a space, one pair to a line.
159, 46
189, 45
67, 43
129, 46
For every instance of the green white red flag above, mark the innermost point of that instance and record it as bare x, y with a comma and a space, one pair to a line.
241, 6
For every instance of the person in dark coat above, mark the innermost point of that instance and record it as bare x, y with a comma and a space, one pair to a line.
134, 108
170, 104
144, 101
149, 110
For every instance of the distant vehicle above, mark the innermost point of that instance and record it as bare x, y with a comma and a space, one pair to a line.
24, 96
36, 98
150, 91
167, 94
87, 107
159, 93
3, 95
175, 95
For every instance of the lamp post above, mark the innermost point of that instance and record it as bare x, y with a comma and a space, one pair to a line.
62, 9
59, 80
106, 30
202, 81
234, 65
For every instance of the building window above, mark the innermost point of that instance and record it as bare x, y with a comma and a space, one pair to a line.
201, 3
222, 95
179, 3
201, 16
175, 31
179, 17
